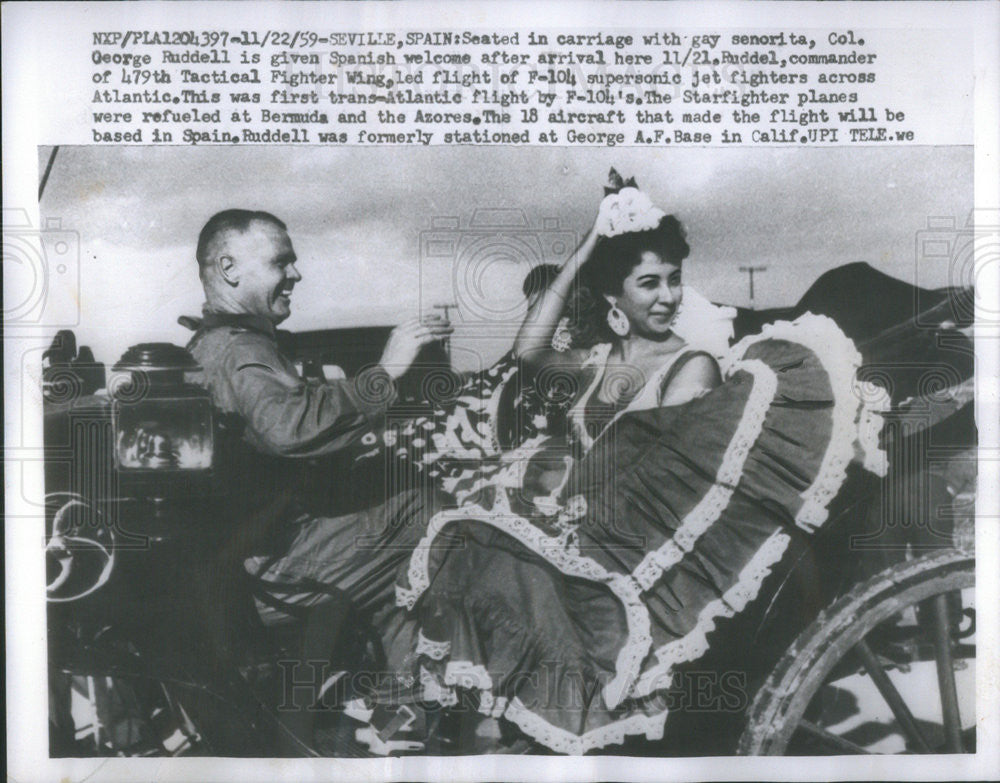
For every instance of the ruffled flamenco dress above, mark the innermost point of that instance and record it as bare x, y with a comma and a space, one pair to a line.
567, 611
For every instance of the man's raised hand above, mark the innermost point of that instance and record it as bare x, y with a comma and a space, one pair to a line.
408, 338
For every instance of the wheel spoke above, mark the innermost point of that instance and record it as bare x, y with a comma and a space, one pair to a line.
891, 696
862, 622
944, 661
95, 715
830, 738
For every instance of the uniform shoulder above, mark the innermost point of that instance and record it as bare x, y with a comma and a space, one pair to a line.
233, 344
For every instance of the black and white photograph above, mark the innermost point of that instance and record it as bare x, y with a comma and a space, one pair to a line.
414, 391
511, 451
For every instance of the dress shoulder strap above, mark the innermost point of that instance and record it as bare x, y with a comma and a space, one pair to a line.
597, 361
598, 355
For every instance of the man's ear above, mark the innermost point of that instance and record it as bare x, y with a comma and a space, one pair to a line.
227, 269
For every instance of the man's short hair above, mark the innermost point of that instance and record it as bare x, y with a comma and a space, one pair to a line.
229, 220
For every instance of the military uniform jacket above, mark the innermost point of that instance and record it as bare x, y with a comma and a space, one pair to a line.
283, 414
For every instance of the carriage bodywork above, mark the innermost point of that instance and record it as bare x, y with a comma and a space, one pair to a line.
883, 590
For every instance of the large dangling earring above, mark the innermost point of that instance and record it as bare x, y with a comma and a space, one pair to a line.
618, 321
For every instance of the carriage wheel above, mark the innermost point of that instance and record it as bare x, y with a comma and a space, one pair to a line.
860, 678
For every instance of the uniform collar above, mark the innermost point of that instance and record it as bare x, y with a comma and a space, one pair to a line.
212, 320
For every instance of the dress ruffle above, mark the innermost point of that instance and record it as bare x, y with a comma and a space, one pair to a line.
571, 624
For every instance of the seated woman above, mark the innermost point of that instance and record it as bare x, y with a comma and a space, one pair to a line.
636, 270
578, 574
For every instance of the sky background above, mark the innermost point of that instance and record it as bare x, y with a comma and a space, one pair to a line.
382, 234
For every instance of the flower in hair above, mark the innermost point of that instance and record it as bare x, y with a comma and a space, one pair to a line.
627, 210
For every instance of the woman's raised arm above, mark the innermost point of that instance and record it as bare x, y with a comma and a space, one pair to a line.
534, 338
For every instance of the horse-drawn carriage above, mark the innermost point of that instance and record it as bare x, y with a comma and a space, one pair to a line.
862, 639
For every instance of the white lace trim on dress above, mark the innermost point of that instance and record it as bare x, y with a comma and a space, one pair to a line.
434, 692
841, 360
694, 643
470, 676
598, 356
711, 506
563, 741
558, 551
876, 401
434, 650
706, 513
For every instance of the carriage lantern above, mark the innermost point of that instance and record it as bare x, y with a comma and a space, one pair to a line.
163, 425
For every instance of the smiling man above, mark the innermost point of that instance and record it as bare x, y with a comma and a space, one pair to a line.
352, 534
343, 543
248, 270
247, 264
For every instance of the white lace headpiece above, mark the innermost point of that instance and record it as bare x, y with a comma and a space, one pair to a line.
627, 210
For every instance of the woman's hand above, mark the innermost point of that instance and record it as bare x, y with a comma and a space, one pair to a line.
408, 338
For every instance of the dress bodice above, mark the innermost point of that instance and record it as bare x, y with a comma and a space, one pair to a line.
589, 417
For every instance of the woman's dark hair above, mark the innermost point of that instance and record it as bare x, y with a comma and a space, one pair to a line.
538, 279
613, 260
587, 317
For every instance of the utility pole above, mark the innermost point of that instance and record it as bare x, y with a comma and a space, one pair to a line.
750, 270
